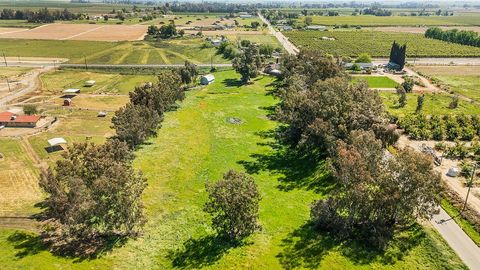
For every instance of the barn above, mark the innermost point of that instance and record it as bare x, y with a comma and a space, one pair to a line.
9, 119
207, 79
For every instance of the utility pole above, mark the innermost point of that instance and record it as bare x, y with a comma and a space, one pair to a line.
469, 186
85, 58
5, 59
8, 84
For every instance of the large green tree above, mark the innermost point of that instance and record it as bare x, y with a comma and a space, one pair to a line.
378, 192
248, 62
134, 124
94, 194
233, 203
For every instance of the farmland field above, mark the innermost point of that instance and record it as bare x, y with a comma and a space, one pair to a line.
369, 20
61, 31
376, 81
197, 144
463, 80
434, 104
378, 44
102, 52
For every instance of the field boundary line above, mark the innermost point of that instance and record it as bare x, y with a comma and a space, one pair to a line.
82, 33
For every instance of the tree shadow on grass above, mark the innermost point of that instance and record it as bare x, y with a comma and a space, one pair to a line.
306, 247
198, 253
233, 82
297, 170
26, 243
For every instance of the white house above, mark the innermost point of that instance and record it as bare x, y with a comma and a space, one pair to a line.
207, 79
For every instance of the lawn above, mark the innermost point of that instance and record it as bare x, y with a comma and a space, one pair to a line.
376, 81
370, 20
197, 144
18, 23
434, 104
463, 80
378, 44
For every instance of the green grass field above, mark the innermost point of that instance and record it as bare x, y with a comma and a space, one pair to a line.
197, 144
18, 23
434, 104
370, 20
98, 52
378, 44
108, 83
463, 80
376, 81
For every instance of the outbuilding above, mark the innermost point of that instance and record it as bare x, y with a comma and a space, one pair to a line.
89, 83
71, 91
317, 27
67, 102
207, 79
8, 119
55, 144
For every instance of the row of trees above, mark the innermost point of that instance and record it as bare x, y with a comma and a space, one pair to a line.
94, 194
165, 31
378, 191
464, 37
447, 127
41, 16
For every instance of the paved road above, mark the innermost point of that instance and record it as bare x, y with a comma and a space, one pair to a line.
289, 47
457, 239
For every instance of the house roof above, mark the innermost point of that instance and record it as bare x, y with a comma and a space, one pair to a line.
209, 77
71, 90
7, 117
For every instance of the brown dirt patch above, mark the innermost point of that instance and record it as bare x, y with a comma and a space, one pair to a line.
58, 31
421, 30
449, 70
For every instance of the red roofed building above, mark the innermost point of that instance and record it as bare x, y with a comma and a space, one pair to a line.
9, 119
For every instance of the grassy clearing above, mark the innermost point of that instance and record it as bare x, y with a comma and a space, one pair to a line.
466, 226
463, 80
18, 23
370, 20
378, 44
376, 81
18, 180
197, 144
434, 104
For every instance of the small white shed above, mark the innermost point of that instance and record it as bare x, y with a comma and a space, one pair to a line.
71, 91
89, 83
207, 79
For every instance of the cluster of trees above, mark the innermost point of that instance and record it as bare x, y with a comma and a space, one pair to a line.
165, 31
324, 114
447, 127
376, 11
94, 196
398, 54
41, 16
464, 37
460, 150
94, 192
141, 117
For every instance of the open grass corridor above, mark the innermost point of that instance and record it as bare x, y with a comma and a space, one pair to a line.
198, 143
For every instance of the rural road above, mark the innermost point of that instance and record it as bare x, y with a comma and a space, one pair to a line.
289, 47
465, 248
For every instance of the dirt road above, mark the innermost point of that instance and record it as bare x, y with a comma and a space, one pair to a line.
31, 83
